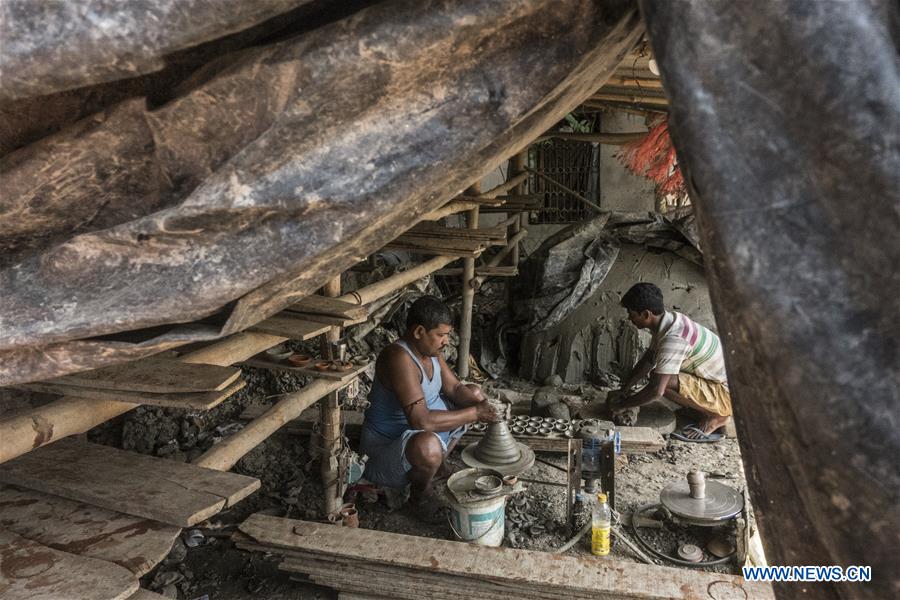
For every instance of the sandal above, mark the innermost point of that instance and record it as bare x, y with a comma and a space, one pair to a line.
698, 437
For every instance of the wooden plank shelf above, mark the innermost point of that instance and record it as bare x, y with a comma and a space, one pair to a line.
32, 571
191, 400
154, 375
135, 543
291, 326
172, 492
323, 309
345, 376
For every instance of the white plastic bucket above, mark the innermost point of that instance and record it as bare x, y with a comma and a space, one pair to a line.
480, 522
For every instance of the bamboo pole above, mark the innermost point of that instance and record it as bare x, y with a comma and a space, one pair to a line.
388, 285
634, 82
226, 453
632, 98
330, 418
451, 208
517, 167
610, 139
468, 295
71, 415
498, 258
565, 189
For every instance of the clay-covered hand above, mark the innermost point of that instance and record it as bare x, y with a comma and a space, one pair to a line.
487, 412
614, 399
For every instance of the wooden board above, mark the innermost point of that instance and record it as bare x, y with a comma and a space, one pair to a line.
143, 486
190, 400
78, 528
31, 571
291, 327
143, 594
506, 572
323, 305
154, 375
262, 363
430, 230
634, 439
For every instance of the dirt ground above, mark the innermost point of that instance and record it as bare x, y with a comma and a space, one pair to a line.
287, 466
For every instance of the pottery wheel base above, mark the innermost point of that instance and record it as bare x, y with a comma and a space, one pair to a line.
525, 462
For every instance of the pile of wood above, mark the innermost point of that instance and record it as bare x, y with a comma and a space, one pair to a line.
155, 381
389, 565
428, 238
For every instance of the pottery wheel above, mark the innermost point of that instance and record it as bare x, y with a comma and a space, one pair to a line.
499, 450
720, 504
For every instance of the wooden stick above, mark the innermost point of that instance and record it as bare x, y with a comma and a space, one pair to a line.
565, 189
517, 167
610, 139
632, 98
388, 285
468, 296
451, 208
226, 453
639, 82
330, 417
498, 258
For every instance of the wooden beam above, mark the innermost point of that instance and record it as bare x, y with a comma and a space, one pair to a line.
638, 82
332, 307
226, 453
468, 295
632, 98
343, 376
451, 208
611, 139
517, 167
389, 285
144, 486
330, 420
484, 572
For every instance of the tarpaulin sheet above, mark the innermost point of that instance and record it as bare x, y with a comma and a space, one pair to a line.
275, 168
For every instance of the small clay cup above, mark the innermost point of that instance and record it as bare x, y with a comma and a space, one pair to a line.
322, 365
518, 430
299, 360
532, 430
341, 365
350, 516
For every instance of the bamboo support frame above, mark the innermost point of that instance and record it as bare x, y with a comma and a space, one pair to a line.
391, 284
226, 453
330, 418
517, 167
71, 415
609, 139
468, 296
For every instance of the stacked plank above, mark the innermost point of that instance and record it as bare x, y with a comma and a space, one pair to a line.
155, 381
58, 548
516, 203
323, 309
399, 566
171, 492
427, 238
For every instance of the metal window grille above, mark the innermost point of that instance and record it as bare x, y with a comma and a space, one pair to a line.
576, 165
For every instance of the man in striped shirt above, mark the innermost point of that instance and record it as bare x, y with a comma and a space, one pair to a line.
685, 364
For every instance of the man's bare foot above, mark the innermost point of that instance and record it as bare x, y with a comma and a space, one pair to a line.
712, 424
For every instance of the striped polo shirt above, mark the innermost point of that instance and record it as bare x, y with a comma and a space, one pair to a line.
683, 346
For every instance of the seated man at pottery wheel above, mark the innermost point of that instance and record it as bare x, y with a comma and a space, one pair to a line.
419, 409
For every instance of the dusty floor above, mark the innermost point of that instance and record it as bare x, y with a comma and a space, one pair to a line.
288, 469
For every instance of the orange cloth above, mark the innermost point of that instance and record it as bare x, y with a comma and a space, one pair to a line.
710, 395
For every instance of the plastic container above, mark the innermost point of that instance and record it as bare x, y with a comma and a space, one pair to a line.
601, 524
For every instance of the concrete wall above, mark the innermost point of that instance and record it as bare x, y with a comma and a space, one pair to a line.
620, 189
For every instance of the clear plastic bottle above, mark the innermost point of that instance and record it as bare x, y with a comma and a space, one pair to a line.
601, 523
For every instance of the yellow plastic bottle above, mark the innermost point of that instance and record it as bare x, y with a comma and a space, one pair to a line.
601, 523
